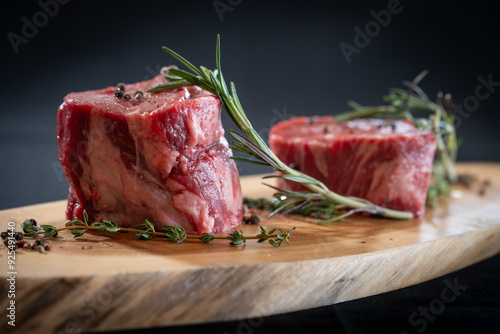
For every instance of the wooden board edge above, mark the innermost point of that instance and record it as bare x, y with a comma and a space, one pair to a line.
110, 302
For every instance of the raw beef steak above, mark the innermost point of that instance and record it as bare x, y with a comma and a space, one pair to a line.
162, 157
386, 162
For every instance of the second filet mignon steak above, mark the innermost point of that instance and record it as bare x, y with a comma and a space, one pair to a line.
387, 162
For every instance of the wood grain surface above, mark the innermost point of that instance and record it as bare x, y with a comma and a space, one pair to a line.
117, 282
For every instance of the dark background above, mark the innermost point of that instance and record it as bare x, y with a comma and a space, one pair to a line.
283, 56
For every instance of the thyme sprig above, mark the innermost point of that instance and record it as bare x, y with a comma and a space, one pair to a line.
250, 141
402, 104
146, 231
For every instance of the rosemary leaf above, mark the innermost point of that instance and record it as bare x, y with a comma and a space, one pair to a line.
252, 161
299, 179
182, 60
169, 85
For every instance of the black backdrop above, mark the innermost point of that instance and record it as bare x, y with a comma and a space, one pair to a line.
285, 58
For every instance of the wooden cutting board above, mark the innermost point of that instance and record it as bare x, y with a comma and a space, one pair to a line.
118, 282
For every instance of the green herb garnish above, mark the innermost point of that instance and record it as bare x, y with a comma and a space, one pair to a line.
252, 144
146, 231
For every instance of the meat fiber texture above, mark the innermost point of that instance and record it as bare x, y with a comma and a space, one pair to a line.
163, 157
387, 162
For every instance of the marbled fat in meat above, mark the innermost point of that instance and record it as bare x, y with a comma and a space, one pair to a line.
163, 157
386, 162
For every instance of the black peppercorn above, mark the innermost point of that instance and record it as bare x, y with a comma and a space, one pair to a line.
139, 95
118, 94
126, 97
121, 86
32, 222
253, 220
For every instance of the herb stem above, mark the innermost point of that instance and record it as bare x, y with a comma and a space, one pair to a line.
156, 234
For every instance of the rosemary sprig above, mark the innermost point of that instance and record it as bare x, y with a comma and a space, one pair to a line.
251, 143
405, 102
146, 231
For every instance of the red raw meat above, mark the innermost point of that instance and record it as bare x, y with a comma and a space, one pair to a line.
162, 157
384, 161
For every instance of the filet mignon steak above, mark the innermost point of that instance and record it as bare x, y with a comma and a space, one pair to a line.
162, 156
